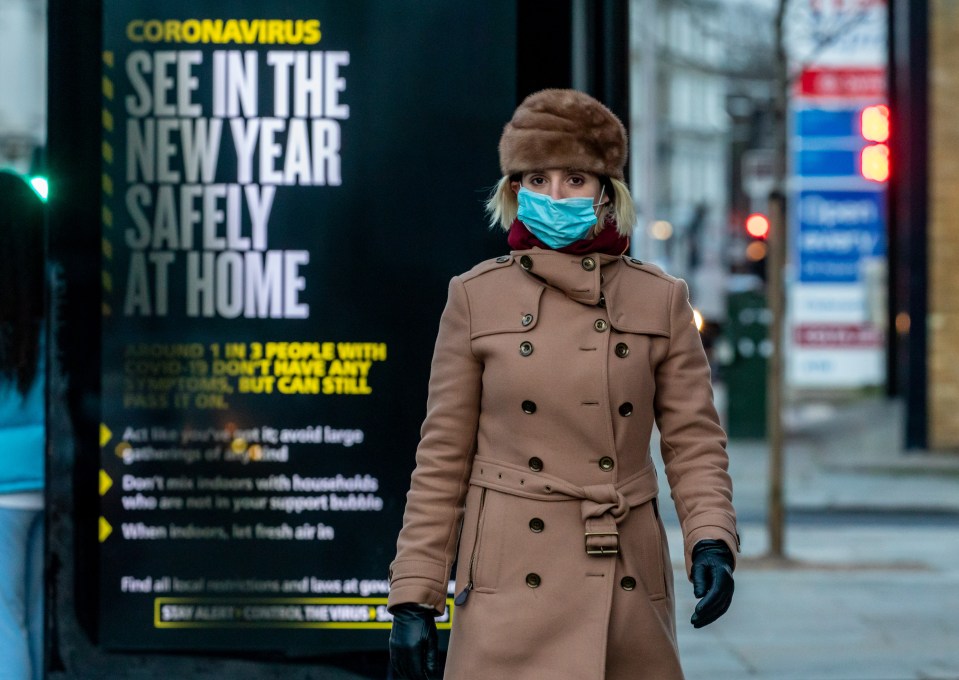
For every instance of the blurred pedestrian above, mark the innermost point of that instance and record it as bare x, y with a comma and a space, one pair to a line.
22, 370
550, 367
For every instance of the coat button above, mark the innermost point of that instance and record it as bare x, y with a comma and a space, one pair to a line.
622, 350
589, 264
527, 319
626, 409
533, 580
628, 583
502, 258
602, 300
606, 463
526, 262
525, 348
535, 464
536, 525
601, 325
529, 406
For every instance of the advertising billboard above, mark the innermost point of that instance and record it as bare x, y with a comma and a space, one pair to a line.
276, 214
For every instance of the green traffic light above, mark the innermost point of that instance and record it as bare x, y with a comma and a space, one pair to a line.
41, 186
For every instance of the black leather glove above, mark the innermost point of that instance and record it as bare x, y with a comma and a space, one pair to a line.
712, 581
413, 642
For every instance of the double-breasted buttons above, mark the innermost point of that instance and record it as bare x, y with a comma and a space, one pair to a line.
536, 525
606, 464
502, 258
533, 580
525, 348
529, 406
535, 464
626, 409
589, 264
627, 583
601, 325
622, 350
526, 262
527, 319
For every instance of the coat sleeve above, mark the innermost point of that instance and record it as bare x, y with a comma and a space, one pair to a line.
434, 505
693, 442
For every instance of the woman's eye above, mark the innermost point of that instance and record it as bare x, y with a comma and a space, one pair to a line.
537, 181
577, 181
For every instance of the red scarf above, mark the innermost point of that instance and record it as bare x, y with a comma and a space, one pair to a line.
608, 241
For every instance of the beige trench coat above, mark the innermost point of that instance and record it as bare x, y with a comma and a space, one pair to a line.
534, 469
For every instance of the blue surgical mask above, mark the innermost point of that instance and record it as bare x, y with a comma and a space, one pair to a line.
556, 222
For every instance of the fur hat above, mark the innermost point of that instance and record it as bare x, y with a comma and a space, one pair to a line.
563, 129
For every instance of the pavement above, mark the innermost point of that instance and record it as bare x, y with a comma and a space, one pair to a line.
868, 588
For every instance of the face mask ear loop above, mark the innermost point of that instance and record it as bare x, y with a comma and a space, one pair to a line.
601, 192
598, 205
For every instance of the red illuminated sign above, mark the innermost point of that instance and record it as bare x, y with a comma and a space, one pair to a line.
843, 82
845, 336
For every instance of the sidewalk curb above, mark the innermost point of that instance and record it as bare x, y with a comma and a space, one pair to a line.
845, 509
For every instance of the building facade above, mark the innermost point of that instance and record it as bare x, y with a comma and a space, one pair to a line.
943, 227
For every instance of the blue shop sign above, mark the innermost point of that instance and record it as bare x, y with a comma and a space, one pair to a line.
827, 122
828, 162
837, 231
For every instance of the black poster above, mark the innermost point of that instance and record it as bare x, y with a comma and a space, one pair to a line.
286, 189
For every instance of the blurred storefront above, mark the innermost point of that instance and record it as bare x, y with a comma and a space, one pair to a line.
23, 71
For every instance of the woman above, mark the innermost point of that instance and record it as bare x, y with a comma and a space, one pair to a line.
533, 470
21, 428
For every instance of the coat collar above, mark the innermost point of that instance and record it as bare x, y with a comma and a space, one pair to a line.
580, 277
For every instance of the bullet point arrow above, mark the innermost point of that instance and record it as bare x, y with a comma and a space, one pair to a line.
105, 529
105, 435
105, 482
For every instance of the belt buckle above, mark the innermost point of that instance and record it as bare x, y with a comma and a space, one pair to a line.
602, 550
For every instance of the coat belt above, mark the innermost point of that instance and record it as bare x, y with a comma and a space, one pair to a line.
602, 506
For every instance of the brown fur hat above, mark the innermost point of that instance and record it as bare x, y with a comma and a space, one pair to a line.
563, 129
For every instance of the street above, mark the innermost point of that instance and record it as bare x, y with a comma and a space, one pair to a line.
870, 589
871, 602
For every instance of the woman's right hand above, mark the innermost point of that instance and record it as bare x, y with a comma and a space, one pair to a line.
413, 642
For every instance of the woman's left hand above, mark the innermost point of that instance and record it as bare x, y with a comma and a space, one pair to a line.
712, 581
413, 642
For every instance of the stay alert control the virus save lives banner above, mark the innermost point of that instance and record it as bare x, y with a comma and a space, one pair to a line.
267, 312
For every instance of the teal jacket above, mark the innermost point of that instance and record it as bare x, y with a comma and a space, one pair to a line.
22, 420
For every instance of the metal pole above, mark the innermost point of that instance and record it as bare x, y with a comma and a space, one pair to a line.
774, 376
579, 40
643, 17
775, 270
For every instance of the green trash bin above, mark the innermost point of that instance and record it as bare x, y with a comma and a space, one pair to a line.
746, 349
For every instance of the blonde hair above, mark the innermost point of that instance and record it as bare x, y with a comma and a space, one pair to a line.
502, 206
